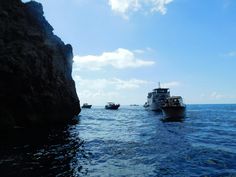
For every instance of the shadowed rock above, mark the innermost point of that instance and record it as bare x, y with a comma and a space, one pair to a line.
36, 87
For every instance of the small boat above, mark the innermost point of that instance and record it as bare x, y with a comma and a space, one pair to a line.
174, 108
134, 105
111, 105
86, 105
145, 105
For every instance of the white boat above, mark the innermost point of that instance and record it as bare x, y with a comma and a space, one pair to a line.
111, 105
86, 105
157, 98
174, 108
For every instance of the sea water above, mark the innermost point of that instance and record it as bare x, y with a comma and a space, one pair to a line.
128, 142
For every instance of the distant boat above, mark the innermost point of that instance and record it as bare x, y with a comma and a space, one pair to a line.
86, 105
145, 105
157, 98
134, 105
111, 105
174, 108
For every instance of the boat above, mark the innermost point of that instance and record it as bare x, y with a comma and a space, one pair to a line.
111, 105
134, 105
145, 105
157, 98
86, 105
174, 108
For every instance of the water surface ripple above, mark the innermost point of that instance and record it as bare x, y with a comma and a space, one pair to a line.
131, 142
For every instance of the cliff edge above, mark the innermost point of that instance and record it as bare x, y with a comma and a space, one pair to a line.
36, 86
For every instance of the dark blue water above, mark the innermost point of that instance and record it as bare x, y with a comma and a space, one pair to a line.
130, 142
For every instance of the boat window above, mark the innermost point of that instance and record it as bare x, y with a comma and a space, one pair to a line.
162, 91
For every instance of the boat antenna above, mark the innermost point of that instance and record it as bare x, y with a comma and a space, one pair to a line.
159, 84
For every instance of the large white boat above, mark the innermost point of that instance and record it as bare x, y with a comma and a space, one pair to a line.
156, 99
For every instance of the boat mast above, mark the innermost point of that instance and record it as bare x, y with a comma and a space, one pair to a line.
159, 84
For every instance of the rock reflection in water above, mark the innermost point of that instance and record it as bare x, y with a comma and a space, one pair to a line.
54, 152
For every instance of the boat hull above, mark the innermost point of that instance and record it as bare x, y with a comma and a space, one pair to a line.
87, 106
114, 107
154, 107
172, 112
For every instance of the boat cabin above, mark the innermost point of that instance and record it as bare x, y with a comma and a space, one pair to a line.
175, 101
161, 90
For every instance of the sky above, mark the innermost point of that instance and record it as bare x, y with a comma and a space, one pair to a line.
123, 48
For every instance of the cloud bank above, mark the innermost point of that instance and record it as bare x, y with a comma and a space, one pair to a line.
119, 59
125, 7
99, 91
115, 83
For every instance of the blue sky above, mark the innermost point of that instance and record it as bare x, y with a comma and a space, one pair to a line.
123, 48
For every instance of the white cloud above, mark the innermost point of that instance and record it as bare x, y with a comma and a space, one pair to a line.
115, 83
120, 59
125, 7
98, 97
122, 7
159, 5
99, 91
170, 84
128, 84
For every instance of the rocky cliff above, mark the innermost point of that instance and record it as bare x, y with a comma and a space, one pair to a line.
36, 87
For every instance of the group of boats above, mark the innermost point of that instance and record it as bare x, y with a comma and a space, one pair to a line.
109, 105
159, 100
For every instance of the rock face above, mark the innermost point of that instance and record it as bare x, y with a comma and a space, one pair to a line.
36, 87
